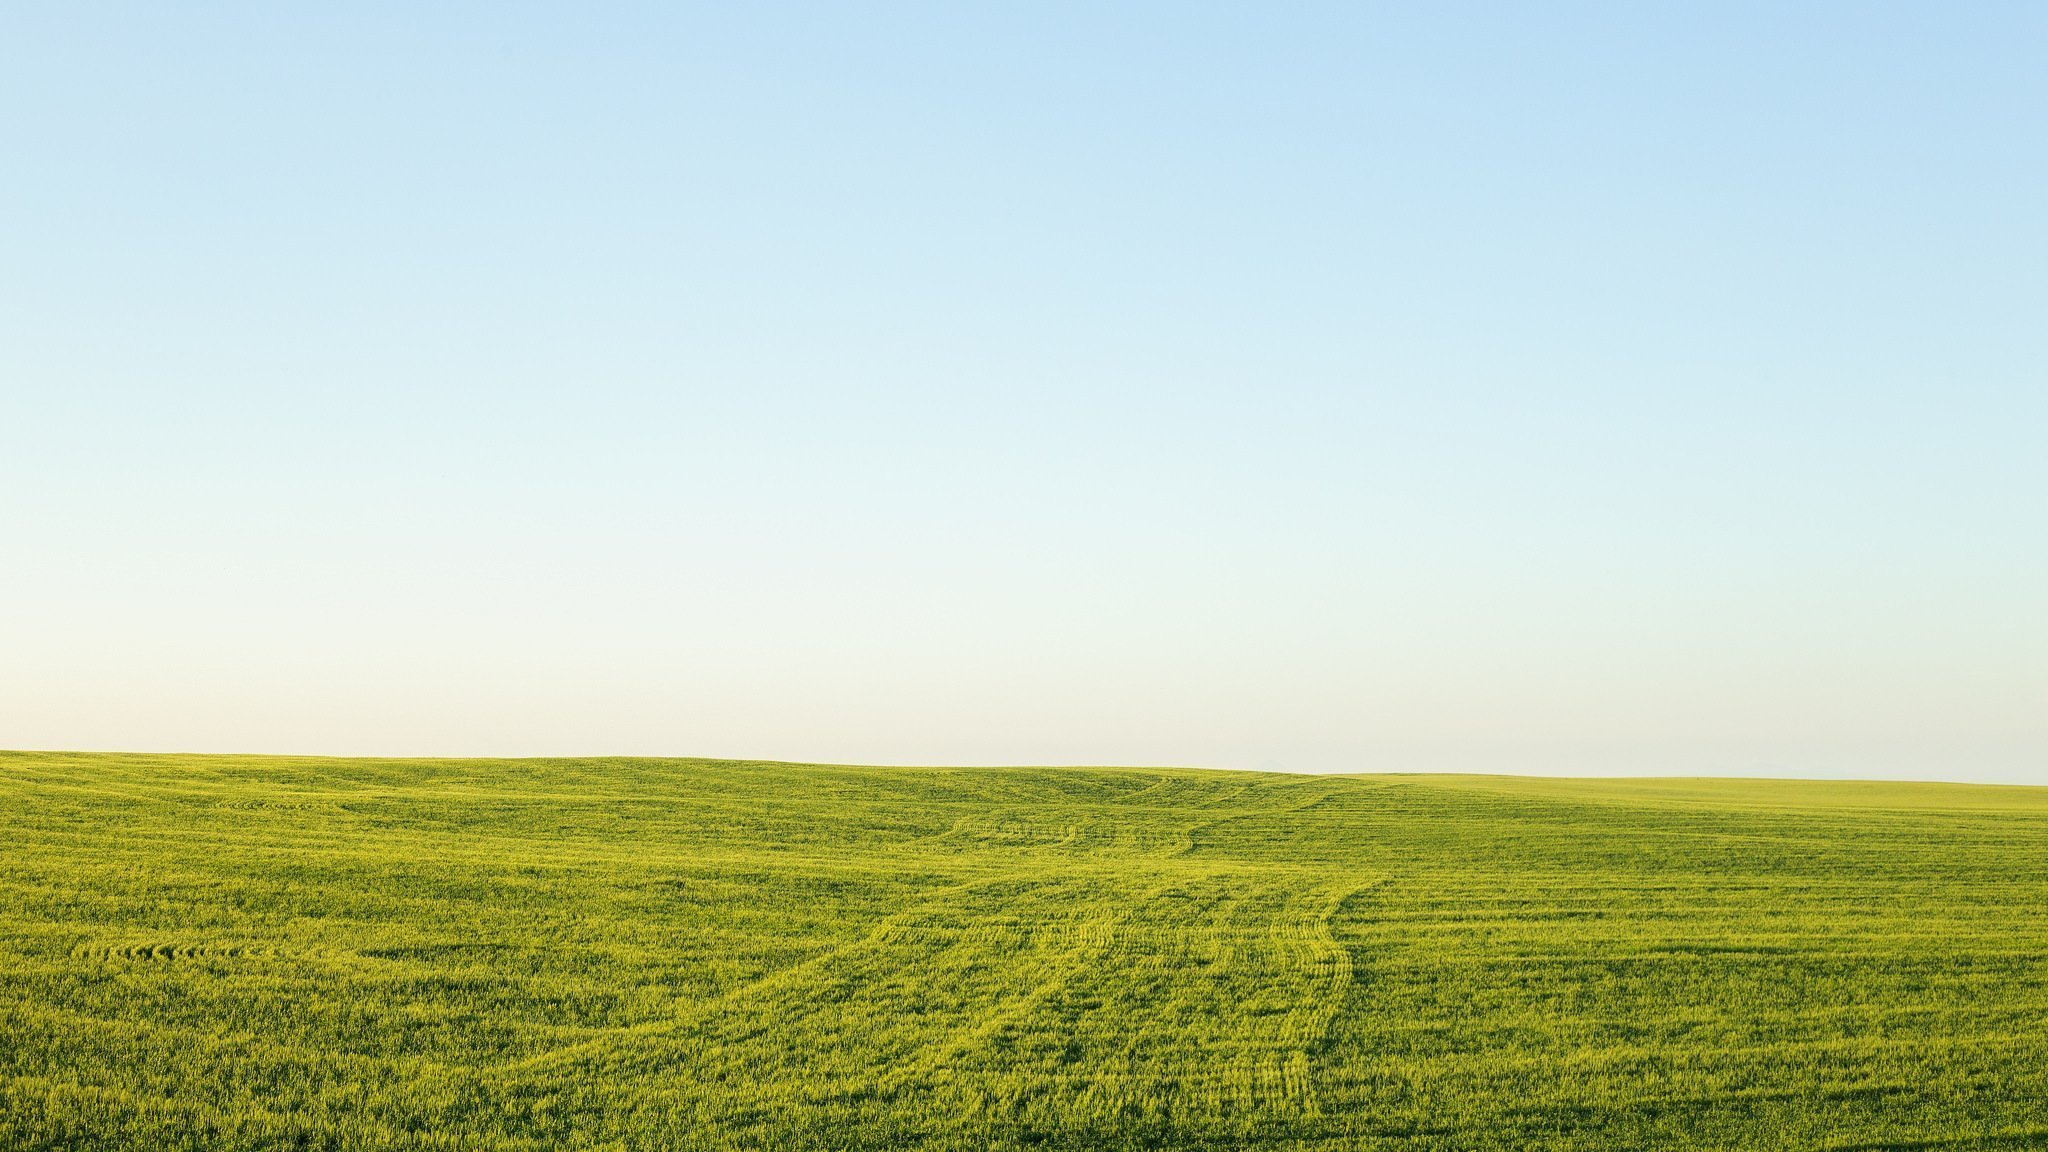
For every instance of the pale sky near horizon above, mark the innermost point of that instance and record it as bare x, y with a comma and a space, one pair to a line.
1342, 387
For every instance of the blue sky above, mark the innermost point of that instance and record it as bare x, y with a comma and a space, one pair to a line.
1631, 388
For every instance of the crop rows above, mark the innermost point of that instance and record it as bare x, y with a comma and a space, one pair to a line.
244, 953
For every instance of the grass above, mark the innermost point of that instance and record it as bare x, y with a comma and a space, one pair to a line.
252, 952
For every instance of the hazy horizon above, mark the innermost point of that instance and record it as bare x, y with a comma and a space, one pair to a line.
1439, 773
1585, 391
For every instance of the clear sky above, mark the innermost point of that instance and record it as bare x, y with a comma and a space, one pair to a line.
1637, 388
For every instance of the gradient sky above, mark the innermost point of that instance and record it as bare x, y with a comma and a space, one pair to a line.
1549, 388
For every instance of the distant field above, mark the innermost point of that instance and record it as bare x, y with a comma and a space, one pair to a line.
240, 952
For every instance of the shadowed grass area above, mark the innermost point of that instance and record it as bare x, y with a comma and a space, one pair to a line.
269, 952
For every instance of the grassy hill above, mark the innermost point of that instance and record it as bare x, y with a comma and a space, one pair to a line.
253, 952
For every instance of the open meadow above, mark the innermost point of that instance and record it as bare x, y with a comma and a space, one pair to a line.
263, 953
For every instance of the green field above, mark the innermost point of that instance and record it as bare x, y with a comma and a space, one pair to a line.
249, 952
